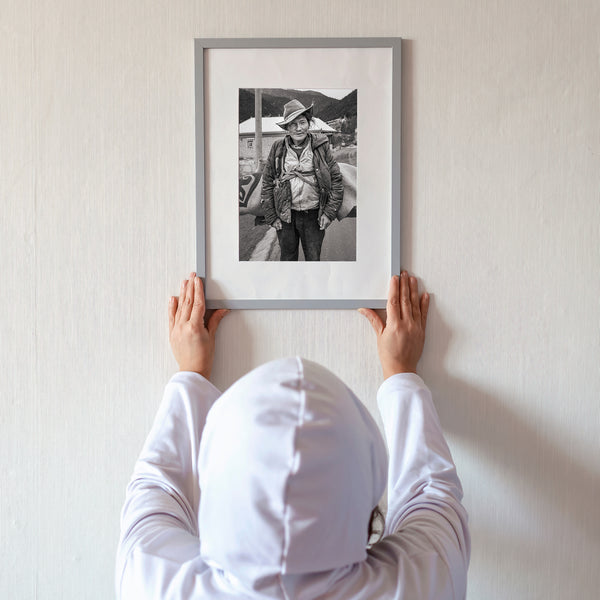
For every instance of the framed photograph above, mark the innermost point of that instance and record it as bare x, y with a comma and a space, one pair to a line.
307, 133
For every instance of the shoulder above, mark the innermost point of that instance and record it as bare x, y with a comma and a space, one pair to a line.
278, 146
318, 140
276, 151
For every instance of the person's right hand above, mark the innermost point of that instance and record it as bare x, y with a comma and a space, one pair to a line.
400, 340
277, 224
193, 341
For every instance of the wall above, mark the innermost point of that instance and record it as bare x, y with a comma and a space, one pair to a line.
501, 219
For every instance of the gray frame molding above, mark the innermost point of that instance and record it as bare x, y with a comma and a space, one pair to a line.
202, 44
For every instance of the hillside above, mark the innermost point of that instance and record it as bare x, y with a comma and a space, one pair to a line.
273, 101
346, 107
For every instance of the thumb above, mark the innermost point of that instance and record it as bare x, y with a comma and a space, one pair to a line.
373, 318
215, 319
172, 312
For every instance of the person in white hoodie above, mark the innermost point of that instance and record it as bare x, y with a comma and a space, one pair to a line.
267, 490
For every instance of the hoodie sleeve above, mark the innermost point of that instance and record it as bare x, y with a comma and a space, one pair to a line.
159, 526
425, 514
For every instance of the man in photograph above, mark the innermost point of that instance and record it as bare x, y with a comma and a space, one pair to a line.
302, 187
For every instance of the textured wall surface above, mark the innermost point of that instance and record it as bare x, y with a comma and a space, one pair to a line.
501, 219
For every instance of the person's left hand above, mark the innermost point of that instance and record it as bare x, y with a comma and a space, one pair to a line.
324, 222
192, 342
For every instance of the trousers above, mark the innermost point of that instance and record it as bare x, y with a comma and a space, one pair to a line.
304, 229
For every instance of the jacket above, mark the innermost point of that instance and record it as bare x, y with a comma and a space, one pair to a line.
276, 196
265, 492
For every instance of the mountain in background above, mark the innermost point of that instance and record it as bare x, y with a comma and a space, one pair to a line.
246, 109
273, 101
346, 107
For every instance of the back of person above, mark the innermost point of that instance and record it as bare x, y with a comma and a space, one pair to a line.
267, 490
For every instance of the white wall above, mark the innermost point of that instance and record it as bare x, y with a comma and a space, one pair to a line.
501, 219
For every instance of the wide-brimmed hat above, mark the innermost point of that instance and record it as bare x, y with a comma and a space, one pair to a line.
292, 110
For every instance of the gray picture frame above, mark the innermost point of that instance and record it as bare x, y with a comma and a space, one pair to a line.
203, 44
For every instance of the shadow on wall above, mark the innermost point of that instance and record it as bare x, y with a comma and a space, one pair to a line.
407, 109
227, 371
556, 485
564, 485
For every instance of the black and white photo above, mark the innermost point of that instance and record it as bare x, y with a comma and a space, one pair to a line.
297, 174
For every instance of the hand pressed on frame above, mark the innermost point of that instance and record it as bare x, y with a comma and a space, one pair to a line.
400, 340
192, 342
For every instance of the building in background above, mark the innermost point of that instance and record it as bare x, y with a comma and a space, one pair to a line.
270, 132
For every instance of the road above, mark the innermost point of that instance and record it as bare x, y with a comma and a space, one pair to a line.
339, 243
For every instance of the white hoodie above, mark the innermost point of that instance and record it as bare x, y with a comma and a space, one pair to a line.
269, 496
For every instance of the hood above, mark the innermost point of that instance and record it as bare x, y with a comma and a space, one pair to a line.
291, 465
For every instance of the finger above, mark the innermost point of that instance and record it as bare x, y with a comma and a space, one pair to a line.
392, 307
186, 309
181, 299
373, 318
405, 306
414, 299
172, 312
199, 306
215, 319
424, 310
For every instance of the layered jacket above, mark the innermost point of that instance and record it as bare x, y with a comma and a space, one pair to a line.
276, 196
265, 492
